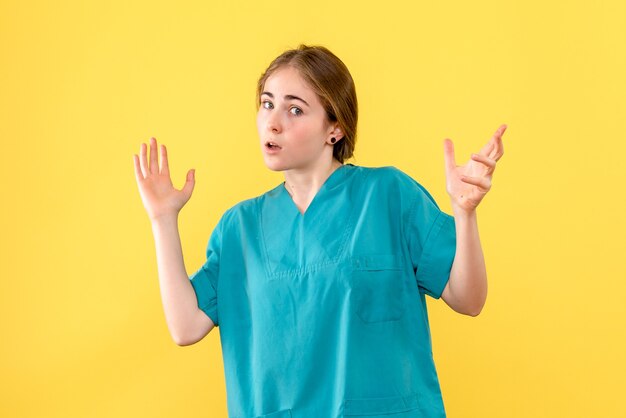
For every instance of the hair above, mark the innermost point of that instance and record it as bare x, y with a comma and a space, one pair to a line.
330, 79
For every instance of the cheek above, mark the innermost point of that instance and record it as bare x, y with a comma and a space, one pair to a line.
259, 121
304, 132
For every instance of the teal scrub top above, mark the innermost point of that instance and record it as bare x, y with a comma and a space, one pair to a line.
323, 314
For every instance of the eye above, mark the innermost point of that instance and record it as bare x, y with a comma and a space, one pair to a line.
268, 103
296, 111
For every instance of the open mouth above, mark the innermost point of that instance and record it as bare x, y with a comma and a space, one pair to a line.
272, 145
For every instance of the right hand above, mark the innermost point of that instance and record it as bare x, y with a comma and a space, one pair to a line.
158, 194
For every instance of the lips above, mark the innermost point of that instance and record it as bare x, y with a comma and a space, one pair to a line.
272, 145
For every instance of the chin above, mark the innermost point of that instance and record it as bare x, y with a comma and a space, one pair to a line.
275, 165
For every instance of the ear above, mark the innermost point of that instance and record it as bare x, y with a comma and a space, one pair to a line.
336, 132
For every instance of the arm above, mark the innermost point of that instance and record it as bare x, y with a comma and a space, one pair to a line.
186, 322
467, 185
466, 291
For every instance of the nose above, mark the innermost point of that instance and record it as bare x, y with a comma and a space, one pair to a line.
273, 122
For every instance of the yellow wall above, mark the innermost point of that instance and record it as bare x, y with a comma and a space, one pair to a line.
82, 84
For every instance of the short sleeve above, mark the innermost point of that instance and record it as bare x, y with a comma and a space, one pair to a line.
204, 280
431, 238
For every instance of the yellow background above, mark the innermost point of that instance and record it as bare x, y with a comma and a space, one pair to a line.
83, 84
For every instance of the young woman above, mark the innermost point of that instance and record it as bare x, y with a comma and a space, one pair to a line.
318, 285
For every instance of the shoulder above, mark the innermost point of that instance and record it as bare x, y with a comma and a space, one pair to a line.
386, 173
394, 177
400, 186
239, 210
247, 210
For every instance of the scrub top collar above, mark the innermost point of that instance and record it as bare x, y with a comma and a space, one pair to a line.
334, 180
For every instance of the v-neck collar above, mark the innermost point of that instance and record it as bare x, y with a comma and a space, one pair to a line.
295, 243
331, 182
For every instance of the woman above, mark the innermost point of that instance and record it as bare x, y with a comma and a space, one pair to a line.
318, 285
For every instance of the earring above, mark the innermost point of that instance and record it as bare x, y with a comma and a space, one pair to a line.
332, 140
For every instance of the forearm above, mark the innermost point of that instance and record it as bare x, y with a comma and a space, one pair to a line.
177, 294
468, 276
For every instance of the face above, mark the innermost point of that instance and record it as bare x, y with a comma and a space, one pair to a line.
292, 117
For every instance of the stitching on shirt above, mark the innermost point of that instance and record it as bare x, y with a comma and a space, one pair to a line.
404, 221
266, 259
340, 256
426, 250
317, 266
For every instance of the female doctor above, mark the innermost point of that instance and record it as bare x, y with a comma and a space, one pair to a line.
318, 285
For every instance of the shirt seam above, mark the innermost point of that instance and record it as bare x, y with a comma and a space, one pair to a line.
317, 266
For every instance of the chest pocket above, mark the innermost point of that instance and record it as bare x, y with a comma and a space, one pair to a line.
378, 287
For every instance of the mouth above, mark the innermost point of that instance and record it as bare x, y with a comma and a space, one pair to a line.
272, 145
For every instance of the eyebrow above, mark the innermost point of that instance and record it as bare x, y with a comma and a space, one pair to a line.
287, 97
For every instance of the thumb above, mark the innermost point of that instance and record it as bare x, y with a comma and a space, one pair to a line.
189, 183
448, 155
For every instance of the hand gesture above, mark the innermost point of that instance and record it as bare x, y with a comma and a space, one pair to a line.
469, 183
158, 194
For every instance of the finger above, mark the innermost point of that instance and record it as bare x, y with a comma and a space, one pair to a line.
493, 148
138, 174
448, 155
490, 163
143, 160
189, 183
487, 148
165, 169
482, 182
498, 148
154, 157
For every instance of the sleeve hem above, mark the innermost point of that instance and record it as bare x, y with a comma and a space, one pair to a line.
435, 264
211, 312
206, 295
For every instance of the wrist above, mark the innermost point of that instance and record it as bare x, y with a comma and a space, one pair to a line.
461, 213
165, 219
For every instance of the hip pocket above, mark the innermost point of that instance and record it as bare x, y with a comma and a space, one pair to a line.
396, 406
378, 287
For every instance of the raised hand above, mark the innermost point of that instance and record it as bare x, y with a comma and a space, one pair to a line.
468, 184
158, 194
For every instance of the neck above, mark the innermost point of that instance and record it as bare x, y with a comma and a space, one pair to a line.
303, 184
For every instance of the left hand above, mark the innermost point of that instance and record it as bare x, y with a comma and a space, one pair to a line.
468, 184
